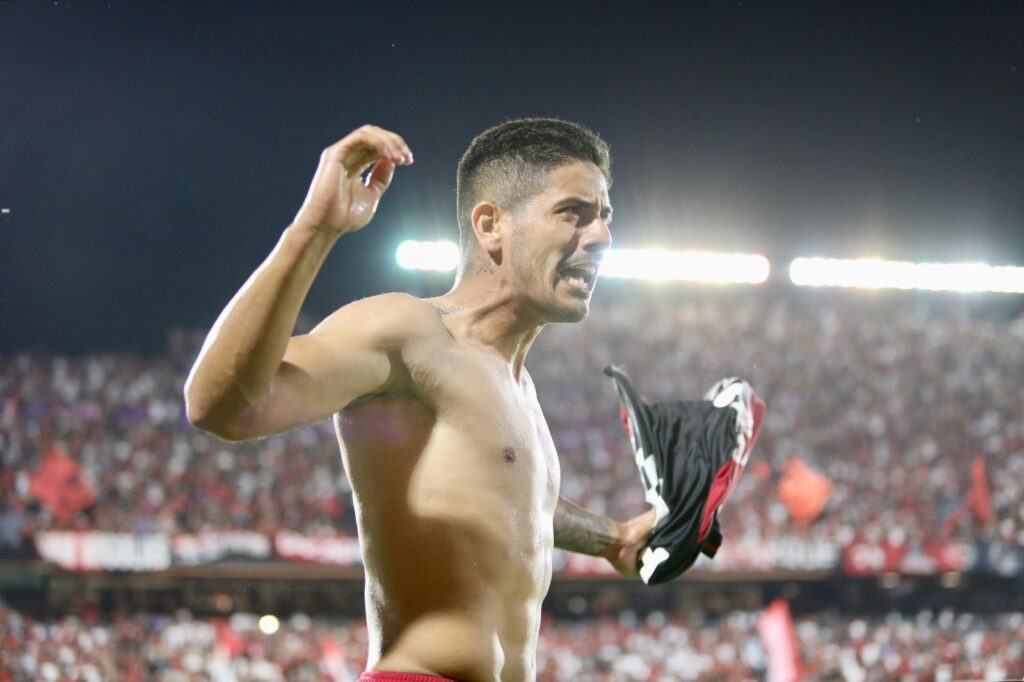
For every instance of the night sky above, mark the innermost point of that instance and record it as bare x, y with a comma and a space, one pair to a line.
151, 153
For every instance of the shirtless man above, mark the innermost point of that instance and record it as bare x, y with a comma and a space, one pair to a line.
454, 474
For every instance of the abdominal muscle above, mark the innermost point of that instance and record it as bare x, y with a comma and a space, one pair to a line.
457, 550
446, 597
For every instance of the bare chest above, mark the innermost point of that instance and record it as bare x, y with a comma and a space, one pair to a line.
468, 424
483, 409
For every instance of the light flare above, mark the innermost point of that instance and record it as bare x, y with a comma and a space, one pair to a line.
875, 273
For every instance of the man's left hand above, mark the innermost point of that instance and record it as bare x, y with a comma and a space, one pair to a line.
635, 534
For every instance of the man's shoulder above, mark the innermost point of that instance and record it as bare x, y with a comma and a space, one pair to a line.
396, 302
392, 318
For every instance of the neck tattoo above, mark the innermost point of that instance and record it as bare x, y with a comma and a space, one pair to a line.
449, 309
484, 265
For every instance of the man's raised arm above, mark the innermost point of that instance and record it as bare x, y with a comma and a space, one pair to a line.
583, 532
251, 377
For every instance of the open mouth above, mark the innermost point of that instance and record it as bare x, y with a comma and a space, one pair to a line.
582, 276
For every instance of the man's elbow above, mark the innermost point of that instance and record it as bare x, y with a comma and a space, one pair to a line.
205, 418
198, 410
221, 429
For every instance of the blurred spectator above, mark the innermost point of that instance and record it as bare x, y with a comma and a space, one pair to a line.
929, 646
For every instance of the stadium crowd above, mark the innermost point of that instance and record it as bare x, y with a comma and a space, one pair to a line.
890, 398
171, 648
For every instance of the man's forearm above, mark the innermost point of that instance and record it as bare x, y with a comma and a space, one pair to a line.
578, 530
242, 352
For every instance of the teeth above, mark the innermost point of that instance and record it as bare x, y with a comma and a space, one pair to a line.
577, 280
582, 275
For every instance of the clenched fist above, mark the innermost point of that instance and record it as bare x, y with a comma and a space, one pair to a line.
636, 533
339, 199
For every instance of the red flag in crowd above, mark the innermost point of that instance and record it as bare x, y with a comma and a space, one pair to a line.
59, 484
979, 501
775, 626
803, 490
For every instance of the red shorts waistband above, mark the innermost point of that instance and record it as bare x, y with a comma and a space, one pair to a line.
385, 676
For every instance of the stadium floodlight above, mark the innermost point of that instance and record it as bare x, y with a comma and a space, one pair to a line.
648, 264
687, 266
439, 256
873, 273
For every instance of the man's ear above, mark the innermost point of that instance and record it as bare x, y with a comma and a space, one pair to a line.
487, 228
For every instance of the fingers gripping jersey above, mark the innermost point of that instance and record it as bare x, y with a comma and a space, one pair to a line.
690, 454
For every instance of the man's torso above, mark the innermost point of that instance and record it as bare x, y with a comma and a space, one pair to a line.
455, 480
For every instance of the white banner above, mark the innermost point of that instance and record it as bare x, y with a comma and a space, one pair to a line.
91, 551
95, 551
205, 548
340, 550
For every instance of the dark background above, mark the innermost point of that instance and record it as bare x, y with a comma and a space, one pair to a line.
151, 153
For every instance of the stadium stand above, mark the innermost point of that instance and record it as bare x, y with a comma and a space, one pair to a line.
890, 471
911, 420
177, 647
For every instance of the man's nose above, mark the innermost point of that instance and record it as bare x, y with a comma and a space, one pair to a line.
597, 237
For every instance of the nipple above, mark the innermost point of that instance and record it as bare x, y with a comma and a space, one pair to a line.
509, 454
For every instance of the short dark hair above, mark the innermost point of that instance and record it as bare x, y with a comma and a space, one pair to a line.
502, 163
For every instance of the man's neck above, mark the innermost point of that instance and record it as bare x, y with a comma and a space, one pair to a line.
484, 309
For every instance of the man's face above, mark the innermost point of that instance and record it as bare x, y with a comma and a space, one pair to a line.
557, 239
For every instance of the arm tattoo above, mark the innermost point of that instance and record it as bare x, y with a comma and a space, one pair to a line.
484, 265
583, 532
